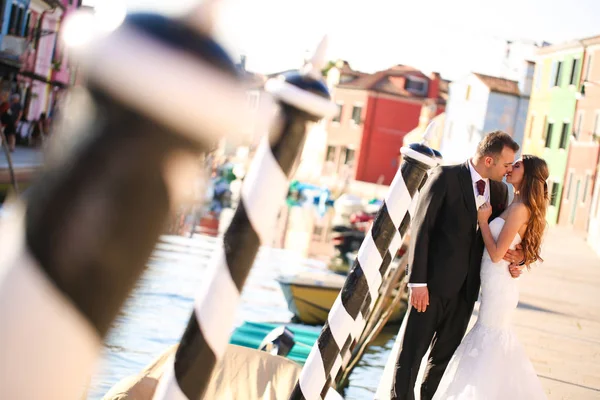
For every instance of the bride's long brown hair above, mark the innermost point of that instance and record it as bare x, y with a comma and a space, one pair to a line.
534, 194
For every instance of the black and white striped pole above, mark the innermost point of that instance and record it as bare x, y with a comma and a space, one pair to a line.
303, 98
159, 92
395, 245
393, 249
347, 317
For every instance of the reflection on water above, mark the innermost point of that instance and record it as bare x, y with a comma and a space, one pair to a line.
157, 311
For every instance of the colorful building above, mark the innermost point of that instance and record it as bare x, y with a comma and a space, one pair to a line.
593, 236
479, 104
45, 71
584, 143
13, 41
551, 113
376, 111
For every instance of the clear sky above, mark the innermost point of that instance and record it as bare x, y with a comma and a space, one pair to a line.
449, 36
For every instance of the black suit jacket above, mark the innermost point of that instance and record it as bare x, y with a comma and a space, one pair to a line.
446, 248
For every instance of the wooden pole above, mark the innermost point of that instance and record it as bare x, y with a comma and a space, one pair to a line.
11, 167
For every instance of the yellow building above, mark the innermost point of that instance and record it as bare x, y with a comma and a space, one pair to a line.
539, 103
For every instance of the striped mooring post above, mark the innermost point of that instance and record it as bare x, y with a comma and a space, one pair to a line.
72, 250
348, 314
302, 98
393, 249
395, 245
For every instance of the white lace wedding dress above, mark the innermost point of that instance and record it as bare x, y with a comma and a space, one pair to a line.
490, 363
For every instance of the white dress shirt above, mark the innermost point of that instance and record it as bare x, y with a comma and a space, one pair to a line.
478, 201
476, 177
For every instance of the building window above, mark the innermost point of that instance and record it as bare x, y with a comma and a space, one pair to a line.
557, 76
330, 153
569, 184
597, 199
36, 28
356, 114
596, 130
468, 95
552, 75
544, 127
338, 116
538, 75
588, 65
574, 71
586, 185
549, 127
16, 20
531, 121
349, 157
578, 127
416, 86
564, 135
28, 24
13, 20
554, 193
21, 21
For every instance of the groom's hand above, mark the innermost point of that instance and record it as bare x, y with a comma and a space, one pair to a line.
515, 270
419, 298
515, 256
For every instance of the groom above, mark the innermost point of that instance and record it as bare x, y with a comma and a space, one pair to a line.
445, 258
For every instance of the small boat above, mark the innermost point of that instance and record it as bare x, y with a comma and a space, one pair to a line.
310, 296
249, 369
255, 334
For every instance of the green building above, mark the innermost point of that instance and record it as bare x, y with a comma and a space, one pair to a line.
551, 113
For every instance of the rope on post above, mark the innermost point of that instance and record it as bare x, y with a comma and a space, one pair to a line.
302, 98
348, 314
395, 245
11, 167
350, 354
71, 254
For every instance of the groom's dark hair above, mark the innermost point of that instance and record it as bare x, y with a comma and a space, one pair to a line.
494, 142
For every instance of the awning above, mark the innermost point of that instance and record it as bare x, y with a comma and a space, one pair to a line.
55, 4
8, 65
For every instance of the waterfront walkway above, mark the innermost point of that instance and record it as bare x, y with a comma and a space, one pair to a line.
558, 319
22, 157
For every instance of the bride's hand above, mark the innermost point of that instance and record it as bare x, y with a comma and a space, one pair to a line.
484, 212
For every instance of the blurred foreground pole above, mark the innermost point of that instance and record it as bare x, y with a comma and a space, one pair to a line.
303, 98
348, 315
159, 92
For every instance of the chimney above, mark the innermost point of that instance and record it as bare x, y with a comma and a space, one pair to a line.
243, 62
434, 85
333, 77
526, 78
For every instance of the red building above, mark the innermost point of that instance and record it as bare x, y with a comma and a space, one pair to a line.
376, 112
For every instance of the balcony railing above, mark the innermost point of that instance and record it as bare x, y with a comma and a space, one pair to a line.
13, 45
55, 3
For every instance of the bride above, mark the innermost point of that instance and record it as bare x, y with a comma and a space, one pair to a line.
490, 363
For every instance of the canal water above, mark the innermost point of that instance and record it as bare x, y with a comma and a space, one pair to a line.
157, 311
